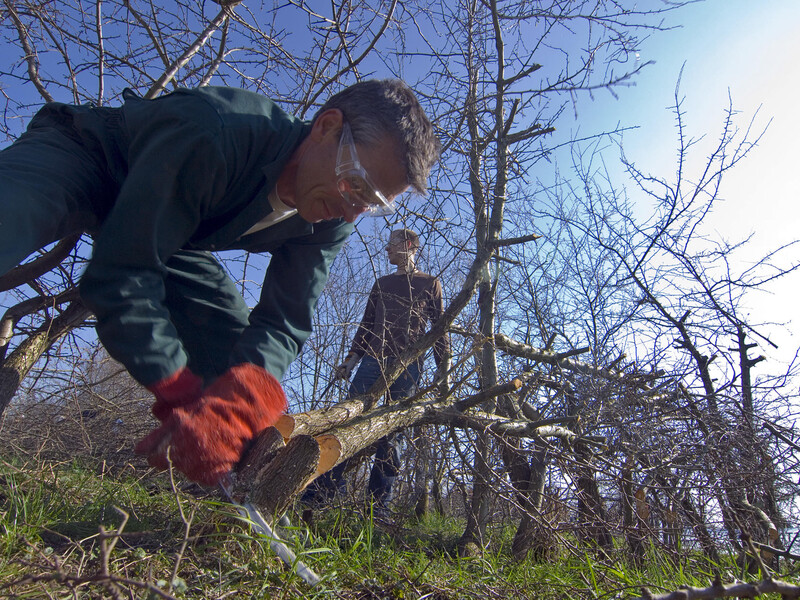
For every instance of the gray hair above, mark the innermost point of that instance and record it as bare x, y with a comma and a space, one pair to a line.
376, 107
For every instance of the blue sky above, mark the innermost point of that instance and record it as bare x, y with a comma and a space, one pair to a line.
750, 50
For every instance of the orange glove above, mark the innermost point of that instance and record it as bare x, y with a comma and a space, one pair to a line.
179, 389
207, 437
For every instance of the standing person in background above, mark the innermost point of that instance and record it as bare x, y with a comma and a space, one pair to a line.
398, 309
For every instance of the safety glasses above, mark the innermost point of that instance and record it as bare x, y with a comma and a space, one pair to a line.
354, 184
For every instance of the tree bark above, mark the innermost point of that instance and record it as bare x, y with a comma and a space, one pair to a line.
592, 514
634, 513
22, 359
534, 536
41, 265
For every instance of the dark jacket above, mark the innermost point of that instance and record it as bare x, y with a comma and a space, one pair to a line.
192, 170
398, 308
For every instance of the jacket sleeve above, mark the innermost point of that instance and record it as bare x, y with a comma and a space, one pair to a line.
363, 341
176, 171
295, 278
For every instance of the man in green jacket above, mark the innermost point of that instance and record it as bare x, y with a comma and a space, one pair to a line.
160, 184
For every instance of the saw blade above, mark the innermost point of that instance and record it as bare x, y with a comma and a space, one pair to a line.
260, 524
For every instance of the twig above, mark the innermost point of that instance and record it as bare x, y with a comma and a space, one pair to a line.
776, 551
187, 523
30, 54
107, 543
193, 49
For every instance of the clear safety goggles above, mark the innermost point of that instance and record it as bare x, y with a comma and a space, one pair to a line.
354, 184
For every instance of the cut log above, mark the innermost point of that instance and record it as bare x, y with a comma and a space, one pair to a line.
263, 450
286, 426
302, 446
315, 422
277, 482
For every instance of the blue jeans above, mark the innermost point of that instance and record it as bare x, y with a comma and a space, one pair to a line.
386, 467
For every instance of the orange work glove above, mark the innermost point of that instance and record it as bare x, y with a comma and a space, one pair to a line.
206, 438
179, 389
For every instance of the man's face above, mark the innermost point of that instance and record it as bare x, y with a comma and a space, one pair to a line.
397, 250
317, 196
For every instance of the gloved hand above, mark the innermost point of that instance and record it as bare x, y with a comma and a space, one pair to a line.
207, 438
344, 370
179, 389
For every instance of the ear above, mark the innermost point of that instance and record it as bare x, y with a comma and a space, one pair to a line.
327, 123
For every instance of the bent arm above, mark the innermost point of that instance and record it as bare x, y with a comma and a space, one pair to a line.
363, 341
296, 276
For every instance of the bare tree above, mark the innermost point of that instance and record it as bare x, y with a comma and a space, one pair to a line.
701, 452
503, 73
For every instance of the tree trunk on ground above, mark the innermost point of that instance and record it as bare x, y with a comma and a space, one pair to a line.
271, 486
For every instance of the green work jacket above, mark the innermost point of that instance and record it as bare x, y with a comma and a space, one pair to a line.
192, 170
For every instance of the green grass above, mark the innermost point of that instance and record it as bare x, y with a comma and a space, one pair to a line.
175, 545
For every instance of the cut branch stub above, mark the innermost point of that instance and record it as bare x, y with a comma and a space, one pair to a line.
272, 471
286, 425
330, 449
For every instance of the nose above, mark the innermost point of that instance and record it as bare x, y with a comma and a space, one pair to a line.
351, 213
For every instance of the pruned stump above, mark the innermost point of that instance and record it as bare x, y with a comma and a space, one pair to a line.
469, 549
